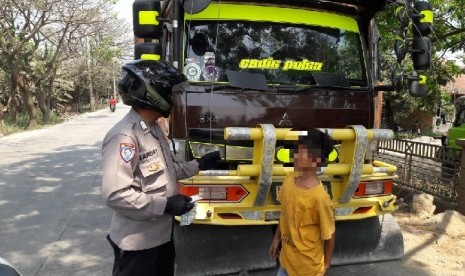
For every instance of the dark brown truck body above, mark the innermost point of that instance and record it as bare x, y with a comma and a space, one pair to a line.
312, 107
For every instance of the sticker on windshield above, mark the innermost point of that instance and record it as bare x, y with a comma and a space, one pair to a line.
273, 64
304, 65
192, 71
209, 58
270, 45
210, 71
266, 63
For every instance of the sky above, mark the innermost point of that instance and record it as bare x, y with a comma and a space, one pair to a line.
124, 9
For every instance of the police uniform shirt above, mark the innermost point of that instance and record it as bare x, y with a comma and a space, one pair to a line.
139, 173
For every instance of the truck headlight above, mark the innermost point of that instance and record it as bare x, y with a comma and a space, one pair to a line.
239, 153
199, 149
179, 149
226, 152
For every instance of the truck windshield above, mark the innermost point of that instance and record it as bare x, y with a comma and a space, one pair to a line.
284, 53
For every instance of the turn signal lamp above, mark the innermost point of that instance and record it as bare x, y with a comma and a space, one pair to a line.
373, 188
220, 193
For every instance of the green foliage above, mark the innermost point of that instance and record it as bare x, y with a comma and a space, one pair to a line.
448, 36
405, 135
3, 88
8, 126
41, 44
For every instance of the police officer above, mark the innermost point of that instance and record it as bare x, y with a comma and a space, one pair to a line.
139, 173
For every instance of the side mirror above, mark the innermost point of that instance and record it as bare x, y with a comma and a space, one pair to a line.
145, 14
400, 46
417, 85
420, 11
147, 51
421, 52
402, 16
397, 78
195, 6
422, 19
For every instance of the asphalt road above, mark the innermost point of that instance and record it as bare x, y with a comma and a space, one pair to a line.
53, 221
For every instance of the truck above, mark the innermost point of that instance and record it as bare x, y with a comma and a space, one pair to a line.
258, 73
450, 152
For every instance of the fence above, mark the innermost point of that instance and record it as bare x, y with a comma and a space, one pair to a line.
423, 167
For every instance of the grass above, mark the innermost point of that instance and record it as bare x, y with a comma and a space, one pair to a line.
412, 135
8, 127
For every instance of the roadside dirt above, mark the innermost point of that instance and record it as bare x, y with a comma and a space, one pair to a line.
433, 242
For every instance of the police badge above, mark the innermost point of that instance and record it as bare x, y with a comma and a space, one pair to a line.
127, 151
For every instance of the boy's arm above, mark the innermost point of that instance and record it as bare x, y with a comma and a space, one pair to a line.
328, 228
328, 251
274, 247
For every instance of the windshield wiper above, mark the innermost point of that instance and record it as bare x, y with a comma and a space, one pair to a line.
288, 87
298, 88
211, 86
216, 87
360, 83
245, 80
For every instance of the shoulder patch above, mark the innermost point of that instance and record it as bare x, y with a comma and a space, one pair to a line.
127, 151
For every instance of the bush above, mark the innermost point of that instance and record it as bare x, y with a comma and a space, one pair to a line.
7, 126
405, 135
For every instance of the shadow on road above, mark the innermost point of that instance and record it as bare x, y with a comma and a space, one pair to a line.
53, 219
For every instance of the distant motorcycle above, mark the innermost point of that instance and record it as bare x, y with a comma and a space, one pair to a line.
112, 103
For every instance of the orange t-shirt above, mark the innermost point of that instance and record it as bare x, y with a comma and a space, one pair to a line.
306, 221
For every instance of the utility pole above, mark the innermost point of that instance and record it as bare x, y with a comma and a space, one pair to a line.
89, 70
114, 85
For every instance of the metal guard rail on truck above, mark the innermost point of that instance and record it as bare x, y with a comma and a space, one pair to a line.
350, 169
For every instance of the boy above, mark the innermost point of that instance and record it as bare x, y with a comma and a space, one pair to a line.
306, 226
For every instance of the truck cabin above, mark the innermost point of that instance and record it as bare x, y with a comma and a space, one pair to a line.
295, 64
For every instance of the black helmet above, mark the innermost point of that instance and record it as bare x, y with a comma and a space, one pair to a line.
149, 83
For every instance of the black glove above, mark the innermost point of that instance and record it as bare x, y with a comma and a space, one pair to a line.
209, 161
178, 205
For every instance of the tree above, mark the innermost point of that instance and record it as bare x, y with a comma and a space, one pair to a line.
3, 94
37, 38
21, 21
77, 20
448, 37
105, 46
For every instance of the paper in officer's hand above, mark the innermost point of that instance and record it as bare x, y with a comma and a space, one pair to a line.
188, 217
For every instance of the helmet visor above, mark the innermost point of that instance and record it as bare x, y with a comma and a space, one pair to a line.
130, 84
134, 84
